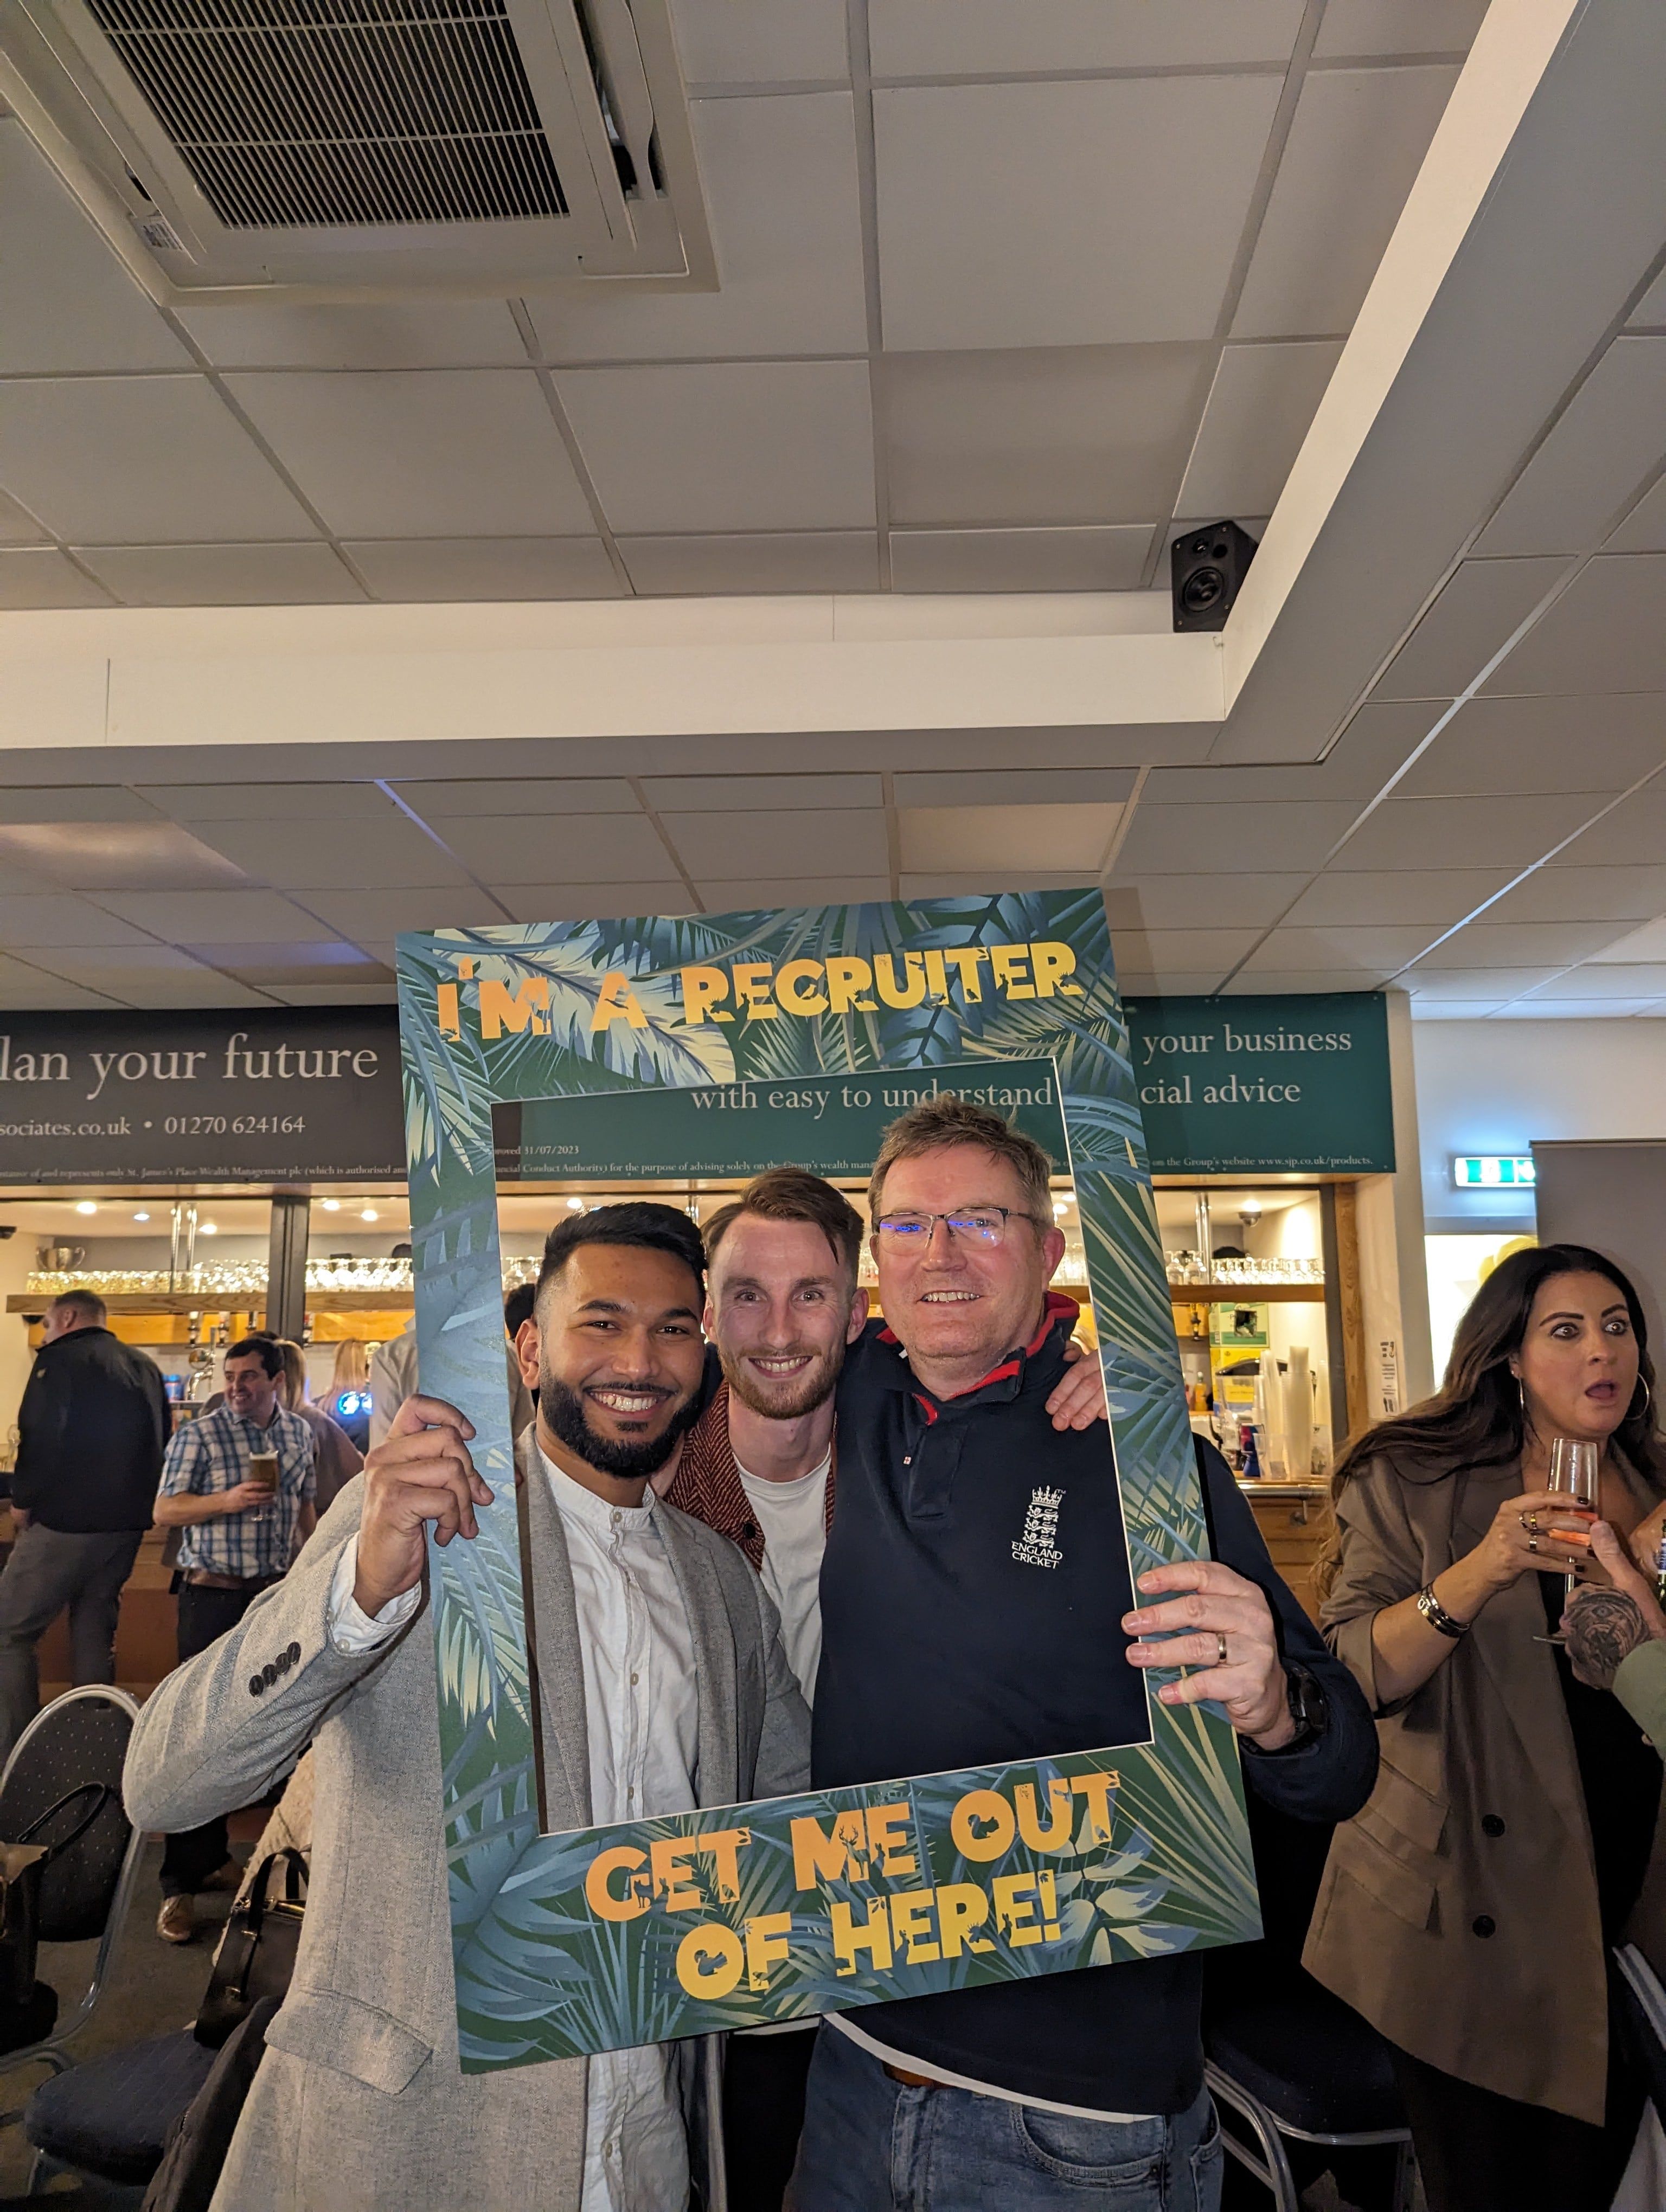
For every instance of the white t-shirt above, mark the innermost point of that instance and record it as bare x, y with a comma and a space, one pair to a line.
793, 1518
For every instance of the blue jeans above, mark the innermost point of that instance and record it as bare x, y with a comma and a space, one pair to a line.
872, 2145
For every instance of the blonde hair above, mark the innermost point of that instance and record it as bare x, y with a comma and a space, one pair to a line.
939, 1123
352, 1368
292, 1384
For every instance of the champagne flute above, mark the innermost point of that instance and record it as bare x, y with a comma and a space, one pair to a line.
1574, 1471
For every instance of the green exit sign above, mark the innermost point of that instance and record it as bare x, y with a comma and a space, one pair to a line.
1494, 1171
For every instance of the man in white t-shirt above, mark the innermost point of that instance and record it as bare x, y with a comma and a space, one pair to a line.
760, 1467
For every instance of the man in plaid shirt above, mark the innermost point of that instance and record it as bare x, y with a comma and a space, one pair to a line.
239, 1539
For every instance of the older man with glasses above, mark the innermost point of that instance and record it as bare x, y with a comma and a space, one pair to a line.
976, 1609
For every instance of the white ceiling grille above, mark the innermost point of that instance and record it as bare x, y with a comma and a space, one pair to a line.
297, 111
330, 148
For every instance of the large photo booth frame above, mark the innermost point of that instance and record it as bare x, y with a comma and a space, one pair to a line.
725, 1917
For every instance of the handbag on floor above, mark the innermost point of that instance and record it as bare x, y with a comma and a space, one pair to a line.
23, 1863
200, 2137
257, 1951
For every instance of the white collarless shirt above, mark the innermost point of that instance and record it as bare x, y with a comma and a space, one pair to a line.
642, 1721
793, 1518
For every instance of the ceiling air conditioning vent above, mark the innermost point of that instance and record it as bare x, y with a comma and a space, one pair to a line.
355, 149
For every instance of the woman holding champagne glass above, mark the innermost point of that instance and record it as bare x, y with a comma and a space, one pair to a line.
1468, 1911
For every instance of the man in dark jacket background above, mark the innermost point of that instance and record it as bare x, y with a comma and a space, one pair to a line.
92, 1428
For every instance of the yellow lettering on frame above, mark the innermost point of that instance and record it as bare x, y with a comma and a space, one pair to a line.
962, 1906
702, 989
911, 1925
1096, 1788
450, 1024
982, 1806
766, 1946
668, 1858
725, 1846
617, 1002
710, 1960
1049, 965
965, 958
1009, 962
841, 1857
895, 1861
873, 1936
752, 988
1055, 1835
847, 977
500, 1010
600, 1894
1015, 1908
911, 990
794, 973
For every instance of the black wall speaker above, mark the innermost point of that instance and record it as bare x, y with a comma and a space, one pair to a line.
1209, 565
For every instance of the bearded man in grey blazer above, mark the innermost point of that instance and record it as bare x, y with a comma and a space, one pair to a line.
663, 1685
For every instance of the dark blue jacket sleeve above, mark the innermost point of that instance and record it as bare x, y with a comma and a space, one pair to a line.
1331, 1778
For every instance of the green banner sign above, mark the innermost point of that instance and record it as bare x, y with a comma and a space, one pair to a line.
1269, 1086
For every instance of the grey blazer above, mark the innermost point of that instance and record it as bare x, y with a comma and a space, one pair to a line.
359, 2105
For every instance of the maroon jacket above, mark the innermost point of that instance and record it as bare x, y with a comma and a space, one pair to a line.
708, 1484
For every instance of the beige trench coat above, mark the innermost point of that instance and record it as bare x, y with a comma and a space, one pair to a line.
1458, 1911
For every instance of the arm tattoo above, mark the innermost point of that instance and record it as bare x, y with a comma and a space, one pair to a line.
1602, 1627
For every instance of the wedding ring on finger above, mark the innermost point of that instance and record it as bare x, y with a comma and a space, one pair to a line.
1220, 1649
1532, 1543
1529, 1522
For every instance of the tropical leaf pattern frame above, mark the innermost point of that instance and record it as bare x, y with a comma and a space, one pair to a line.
537, 1976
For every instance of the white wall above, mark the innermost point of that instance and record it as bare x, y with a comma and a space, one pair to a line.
1495, 1086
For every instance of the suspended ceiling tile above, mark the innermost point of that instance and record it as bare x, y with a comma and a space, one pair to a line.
1487, 942
1012, 786
1610, 437
1077, 434
319, 854
66, 302
1260, 406
767, 562
1475, 612
1630, 835
76, 802
96, 856
1638, 981
732, 445
1073, 560
1507, 830
326, 960
414, 568
984, 881
1050, 213
1643, 530
1204, 901
426, 334
1543, 745
23, 987
41, 576
966, 838
595, 901
459, 452
513, 849
1398, 27
779, 176
991, 38
440, 800
1459, 1010
17, 527
1496, 985
120, 967
1545, 1008
246, 917
760, 42
751, 895
1586, 894
1651, 307
1375, 744
234, 801
1434, 897
221, 575
1377, 951
1262, 838
335, 994
142, 460
1356, 142
823, 841
26, 921
1648, 943
373, 916
1605, 633
713, 794
1165, 952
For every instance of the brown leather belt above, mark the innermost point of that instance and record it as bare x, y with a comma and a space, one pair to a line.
912, 2081
200, 1578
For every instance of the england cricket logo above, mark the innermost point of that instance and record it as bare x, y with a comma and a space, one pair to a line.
1038, 1546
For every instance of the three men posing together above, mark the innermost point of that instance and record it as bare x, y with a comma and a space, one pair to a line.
676, 1667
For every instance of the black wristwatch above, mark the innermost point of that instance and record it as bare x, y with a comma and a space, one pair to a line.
1309, 1708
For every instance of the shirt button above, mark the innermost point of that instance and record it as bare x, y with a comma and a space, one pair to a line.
1484, 1924
631, 1792
634, 1680
1491, 1825
907, 1458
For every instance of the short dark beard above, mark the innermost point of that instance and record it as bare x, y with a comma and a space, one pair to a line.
1603, 1627
564, 1409
823, 1381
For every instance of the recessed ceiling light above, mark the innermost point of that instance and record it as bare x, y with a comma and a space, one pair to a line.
208, 1228
86, 1205
141, 1217
370, 1214
332, 1206
575, 1205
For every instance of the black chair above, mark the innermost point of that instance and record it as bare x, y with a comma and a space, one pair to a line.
79, 1737
110, 2117
1294, 2062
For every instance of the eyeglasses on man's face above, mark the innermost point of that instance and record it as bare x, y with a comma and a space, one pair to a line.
971, 1224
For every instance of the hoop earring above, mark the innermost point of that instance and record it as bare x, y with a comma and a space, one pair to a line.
1648, 1400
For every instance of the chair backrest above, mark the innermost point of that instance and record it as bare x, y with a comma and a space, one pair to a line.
79, 1737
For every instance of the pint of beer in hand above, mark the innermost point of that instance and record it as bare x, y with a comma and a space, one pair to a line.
262, 1469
